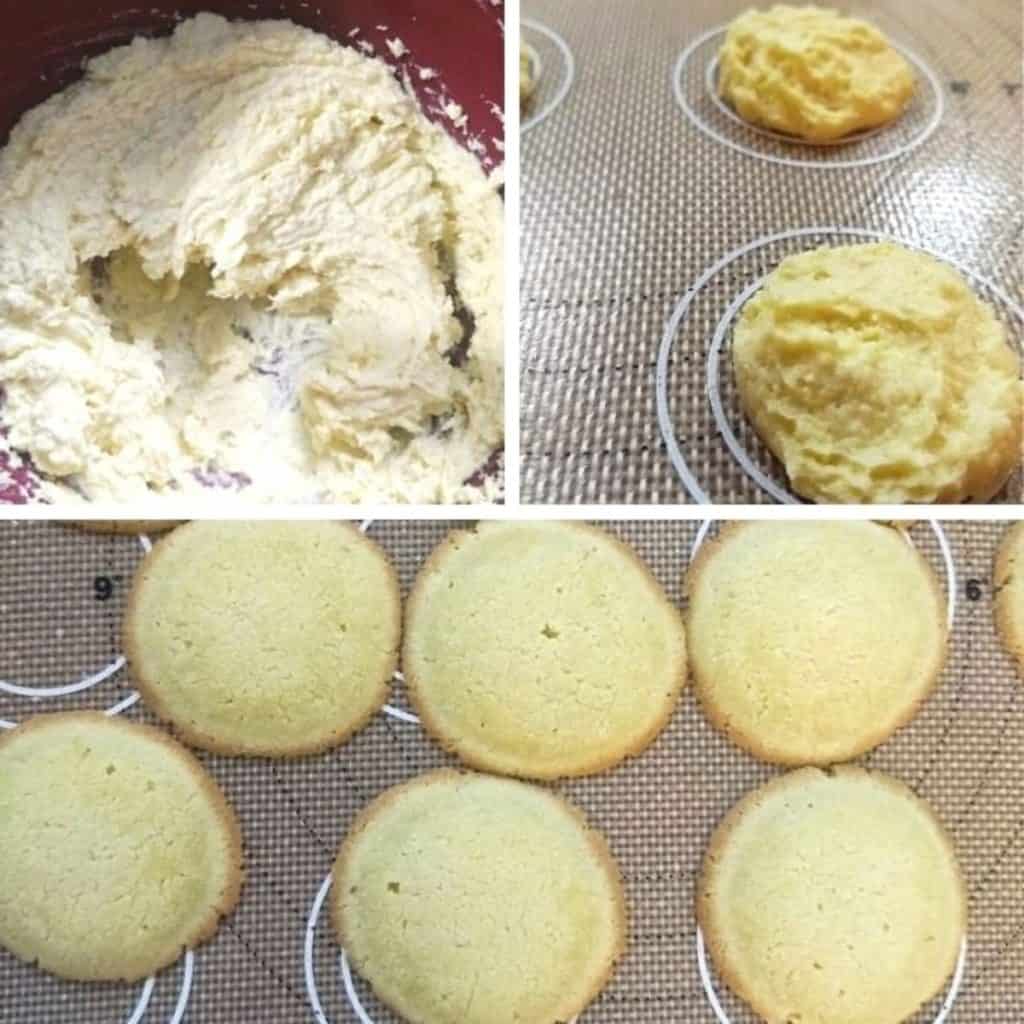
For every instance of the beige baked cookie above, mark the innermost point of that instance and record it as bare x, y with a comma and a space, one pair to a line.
117, 850
811, 642
812, 72
126, 525
875, 374
541, 649
1009, 598
274, 638
833, 899
469, 899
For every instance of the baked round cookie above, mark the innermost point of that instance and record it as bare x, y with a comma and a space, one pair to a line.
126, 525
1009, 600
117, 850
469, 899
833, 899
875, 374
811, 72
541, 649
811, 642
272, 638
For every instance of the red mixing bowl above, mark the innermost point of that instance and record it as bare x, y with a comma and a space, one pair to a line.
45, 42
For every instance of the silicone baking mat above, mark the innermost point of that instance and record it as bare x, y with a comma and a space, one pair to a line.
61, 598
626, 203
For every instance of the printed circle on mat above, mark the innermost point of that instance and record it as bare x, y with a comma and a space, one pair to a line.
270, 638
696, 79
117, 850
469, 899
541, 649
733, 465
1009, 601
812, 642
833, 897
62, 596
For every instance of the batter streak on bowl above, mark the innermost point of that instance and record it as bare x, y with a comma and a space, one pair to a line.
242, 257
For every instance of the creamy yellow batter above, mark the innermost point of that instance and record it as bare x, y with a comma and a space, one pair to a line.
812, 72
875, 374
236, 256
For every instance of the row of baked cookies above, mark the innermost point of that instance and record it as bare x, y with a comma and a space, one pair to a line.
540, 650
452, 855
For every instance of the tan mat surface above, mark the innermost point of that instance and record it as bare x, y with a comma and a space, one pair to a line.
625, 204
61, 599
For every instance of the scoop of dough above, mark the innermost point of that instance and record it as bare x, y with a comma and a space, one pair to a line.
811, 72
875, 374
527, 75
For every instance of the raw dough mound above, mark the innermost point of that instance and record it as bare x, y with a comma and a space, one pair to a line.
527, 73
242, 256
466, 899
875, 374
811, 72
833, 898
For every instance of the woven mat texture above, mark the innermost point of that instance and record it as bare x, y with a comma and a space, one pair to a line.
625, 204
62, 595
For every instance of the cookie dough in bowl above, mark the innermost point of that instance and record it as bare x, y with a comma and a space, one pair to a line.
812, 73
242, 256
876, 375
